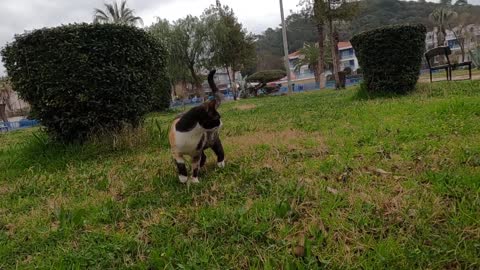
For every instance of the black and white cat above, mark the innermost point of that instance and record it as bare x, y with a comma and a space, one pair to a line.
195, 131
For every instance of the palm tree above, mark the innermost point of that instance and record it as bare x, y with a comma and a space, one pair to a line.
441, 17
116, 14
461, 3
310, 55
450, 2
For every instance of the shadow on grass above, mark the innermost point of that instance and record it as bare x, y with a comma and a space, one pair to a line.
364, 94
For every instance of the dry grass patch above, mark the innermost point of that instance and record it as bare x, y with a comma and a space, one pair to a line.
245, 107
278, 148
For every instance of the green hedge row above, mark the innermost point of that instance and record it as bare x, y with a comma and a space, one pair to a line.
82, 79
390, 57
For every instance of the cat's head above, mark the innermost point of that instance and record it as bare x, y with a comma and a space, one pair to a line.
210, 118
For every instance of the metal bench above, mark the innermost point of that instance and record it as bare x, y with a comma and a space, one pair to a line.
448, 67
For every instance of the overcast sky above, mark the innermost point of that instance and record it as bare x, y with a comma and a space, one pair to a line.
19, 15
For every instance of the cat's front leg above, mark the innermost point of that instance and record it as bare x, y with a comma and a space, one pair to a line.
218, 149
196, 168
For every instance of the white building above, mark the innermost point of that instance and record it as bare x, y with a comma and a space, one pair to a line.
470, 34
14, 104
347, 59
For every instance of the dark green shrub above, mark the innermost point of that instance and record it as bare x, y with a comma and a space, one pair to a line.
162, 95
82, 78
391, 57
267, 76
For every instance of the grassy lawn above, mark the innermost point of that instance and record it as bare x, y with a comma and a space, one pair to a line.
314, 180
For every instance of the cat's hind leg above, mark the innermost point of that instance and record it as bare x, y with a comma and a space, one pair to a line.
196, 161
203, 159
181, 168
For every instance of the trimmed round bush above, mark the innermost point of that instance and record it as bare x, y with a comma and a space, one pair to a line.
390, 57
266, 76
83, 79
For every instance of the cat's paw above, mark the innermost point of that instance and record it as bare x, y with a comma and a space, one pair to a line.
195, 180
183, 179
221, 164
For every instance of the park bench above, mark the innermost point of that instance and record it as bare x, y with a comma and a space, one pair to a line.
447, 66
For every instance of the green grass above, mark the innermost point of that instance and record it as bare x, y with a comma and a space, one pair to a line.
390, 183
456, 75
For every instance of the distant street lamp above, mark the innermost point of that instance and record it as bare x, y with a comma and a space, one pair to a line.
285, 48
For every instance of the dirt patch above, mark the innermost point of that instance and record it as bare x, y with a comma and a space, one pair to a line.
245, 107
290, 138
5, 189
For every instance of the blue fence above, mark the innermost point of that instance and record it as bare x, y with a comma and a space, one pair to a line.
315, 86
24, 123
297, 88
195, 101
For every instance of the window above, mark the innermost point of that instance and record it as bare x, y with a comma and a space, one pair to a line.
352, 63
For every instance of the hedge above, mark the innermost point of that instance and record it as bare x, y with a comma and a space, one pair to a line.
81, 79
267, 76
390, 57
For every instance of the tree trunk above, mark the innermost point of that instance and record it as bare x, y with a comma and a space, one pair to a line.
335, 57
258, 87
234, 86
197, 83
3, 114
315, 73
173, 91
321, 50
461, 43
440, 42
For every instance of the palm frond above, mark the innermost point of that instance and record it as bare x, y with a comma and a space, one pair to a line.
123, 6
115, 13
99, 16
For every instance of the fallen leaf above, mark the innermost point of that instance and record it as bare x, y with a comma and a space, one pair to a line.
299, 251
382, 172
332, 190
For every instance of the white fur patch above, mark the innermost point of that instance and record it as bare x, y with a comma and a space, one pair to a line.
221, 164
183, 179
186, 142
195, 180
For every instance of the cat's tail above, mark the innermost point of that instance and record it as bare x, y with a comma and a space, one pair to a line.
213, 86
211, 81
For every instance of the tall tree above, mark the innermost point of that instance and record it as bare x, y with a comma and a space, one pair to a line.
178, 71
310, 56
230, 44
338, 11
188, 46
117, 14
317, 10
442, 16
